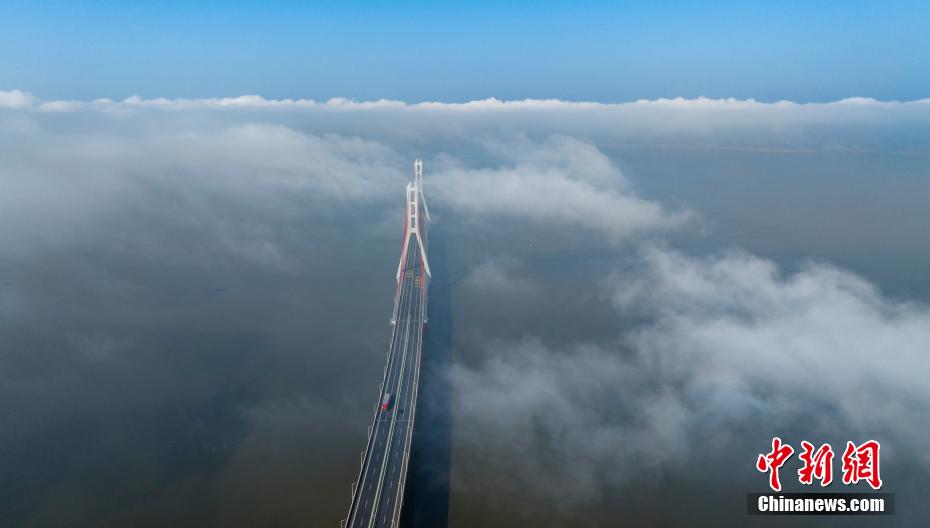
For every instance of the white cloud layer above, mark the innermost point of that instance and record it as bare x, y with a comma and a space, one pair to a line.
561, 180
16, 99
85, 167
61, 187
731, 347
500, 278
708, 349
21, 99
856, 123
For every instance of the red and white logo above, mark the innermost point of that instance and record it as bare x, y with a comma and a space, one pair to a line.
860, 462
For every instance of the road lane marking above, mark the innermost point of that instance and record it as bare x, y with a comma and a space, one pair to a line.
405, 305
390, 436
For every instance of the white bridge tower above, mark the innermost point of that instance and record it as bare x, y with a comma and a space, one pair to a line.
416, 219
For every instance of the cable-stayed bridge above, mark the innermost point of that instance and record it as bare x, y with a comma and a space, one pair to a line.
377, 495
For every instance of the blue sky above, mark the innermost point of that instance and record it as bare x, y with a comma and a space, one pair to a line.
603, 51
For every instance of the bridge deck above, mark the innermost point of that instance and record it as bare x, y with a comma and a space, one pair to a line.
378, 496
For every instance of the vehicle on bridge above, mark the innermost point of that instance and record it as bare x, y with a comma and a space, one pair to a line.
378, 494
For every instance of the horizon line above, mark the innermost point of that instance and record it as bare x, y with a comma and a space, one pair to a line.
24, 100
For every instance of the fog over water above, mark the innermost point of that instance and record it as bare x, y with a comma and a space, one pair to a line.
195, 296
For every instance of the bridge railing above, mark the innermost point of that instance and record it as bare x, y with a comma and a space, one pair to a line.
371, 429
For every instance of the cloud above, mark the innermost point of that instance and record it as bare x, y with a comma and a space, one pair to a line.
21, 99
855, 123
500, 277
63, 187
93, 166
219, 229
242, 101
729, 350
561, 180
818, 334
15, 99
